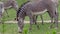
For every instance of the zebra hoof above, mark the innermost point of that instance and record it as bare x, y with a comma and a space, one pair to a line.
38, 27
20, 32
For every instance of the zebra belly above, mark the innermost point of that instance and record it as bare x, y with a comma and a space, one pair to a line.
39, 13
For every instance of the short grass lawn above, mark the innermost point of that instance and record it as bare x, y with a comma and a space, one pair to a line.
43, 29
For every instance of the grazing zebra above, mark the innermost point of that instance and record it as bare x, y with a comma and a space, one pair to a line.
33, 9
8, 4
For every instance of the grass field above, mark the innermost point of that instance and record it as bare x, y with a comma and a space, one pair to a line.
13, 28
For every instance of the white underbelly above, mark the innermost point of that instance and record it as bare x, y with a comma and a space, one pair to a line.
40, 12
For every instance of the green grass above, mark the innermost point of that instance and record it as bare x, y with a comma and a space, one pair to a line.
13, 28
43, 29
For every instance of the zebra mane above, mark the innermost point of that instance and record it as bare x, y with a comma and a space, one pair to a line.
21, 7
